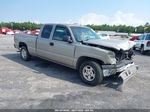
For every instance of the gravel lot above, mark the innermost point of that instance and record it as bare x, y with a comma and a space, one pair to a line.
41, 84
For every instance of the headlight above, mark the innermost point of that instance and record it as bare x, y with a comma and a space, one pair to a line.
111, 54
112, 57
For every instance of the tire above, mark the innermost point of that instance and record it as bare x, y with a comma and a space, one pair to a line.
24, 54
134, 48
142, 50
94, 71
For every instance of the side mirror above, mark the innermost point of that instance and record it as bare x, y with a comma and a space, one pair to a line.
67, 39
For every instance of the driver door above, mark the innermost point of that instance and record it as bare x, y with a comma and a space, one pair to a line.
62, 50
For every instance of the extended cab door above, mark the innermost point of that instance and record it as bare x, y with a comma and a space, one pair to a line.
43, 42
62, 51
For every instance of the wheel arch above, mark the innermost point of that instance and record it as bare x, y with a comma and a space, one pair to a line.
84, 58
21, 44
142, 45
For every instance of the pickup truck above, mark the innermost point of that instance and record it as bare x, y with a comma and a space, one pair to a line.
143, 43
80, 48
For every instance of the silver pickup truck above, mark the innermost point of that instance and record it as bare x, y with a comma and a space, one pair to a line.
80, 48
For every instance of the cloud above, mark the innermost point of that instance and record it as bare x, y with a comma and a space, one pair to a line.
93, 18
119, 18
36, 21
127, 19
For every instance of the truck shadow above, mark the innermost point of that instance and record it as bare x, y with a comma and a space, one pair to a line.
51, 69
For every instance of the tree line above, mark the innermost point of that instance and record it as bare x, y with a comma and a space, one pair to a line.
118, 28
122, 28
21, 26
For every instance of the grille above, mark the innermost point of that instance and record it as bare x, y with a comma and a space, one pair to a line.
122, 55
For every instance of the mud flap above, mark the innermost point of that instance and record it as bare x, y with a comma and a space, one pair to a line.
125, 76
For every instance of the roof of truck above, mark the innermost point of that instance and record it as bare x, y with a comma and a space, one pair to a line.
76, 25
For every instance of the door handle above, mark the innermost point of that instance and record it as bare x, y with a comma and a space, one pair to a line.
51, 44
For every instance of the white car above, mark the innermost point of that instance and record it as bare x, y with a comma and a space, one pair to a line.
104, 36
143, 43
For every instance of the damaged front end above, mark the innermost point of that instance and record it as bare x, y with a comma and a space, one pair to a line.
125, 67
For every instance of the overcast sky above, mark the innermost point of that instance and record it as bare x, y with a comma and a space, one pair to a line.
129, 12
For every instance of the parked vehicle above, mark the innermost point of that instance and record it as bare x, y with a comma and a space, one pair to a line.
79, 48
134, 38
3, 30
9, 32
36, 32
125, 37
28, 32
143, 43
6, 31
104, 36
17, 31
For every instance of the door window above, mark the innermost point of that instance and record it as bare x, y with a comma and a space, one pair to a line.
147, 37
143, 37
60, 33
140, 38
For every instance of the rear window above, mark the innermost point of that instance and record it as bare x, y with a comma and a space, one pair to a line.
147, 37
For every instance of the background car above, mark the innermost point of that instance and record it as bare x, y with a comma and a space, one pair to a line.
28, 32
134, 38
36, 32
6, 31
104, 36
10, 32
125, 37
17, 31
143, 43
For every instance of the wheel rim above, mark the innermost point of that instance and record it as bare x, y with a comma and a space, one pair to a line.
88, 73
23, 53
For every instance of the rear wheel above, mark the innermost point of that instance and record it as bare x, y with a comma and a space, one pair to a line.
91, 73
134, 48
24, 54
142, 50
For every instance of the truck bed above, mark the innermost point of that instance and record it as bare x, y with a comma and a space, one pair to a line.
29, 39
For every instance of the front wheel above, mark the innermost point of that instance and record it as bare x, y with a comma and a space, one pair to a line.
91, 73
24, 54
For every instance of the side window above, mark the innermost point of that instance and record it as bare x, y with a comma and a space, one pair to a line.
46, 31
147, 37
60, 33
143, 37
140, 38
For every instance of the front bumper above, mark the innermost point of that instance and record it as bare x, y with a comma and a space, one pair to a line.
109, 70
125, 70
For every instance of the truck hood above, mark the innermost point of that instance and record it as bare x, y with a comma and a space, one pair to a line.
113, 43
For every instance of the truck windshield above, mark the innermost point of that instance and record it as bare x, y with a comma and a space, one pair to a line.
83, 34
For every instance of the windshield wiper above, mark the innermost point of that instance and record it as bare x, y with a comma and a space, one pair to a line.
85, 39
82, 41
